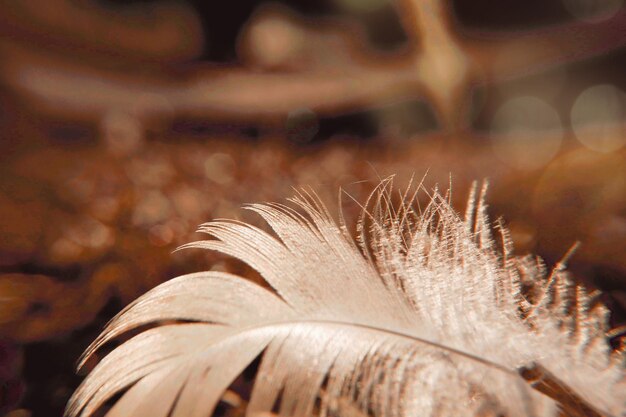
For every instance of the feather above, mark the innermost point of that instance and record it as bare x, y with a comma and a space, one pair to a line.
421, 315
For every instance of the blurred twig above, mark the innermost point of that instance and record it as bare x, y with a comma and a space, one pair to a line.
162, 31
441, 66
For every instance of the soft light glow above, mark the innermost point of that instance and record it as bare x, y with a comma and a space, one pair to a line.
362, 6
272, 40
547, 85
598, 118
220, 168
526, 132
123, 134
593, 10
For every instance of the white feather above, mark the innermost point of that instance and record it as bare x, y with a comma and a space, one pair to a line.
422, 316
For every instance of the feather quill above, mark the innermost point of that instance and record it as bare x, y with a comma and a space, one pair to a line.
421, 315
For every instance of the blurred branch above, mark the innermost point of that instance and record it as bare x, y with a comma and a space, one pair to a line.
439, 58
78, 92
163, 31
441, 66
503, 55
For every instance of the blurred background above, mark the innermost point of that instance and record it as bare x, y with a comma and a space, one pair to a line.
125, 124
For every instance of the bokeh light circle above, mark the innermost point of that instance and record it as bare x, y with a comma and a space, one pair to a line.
593, 11
598, 118
526, 132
